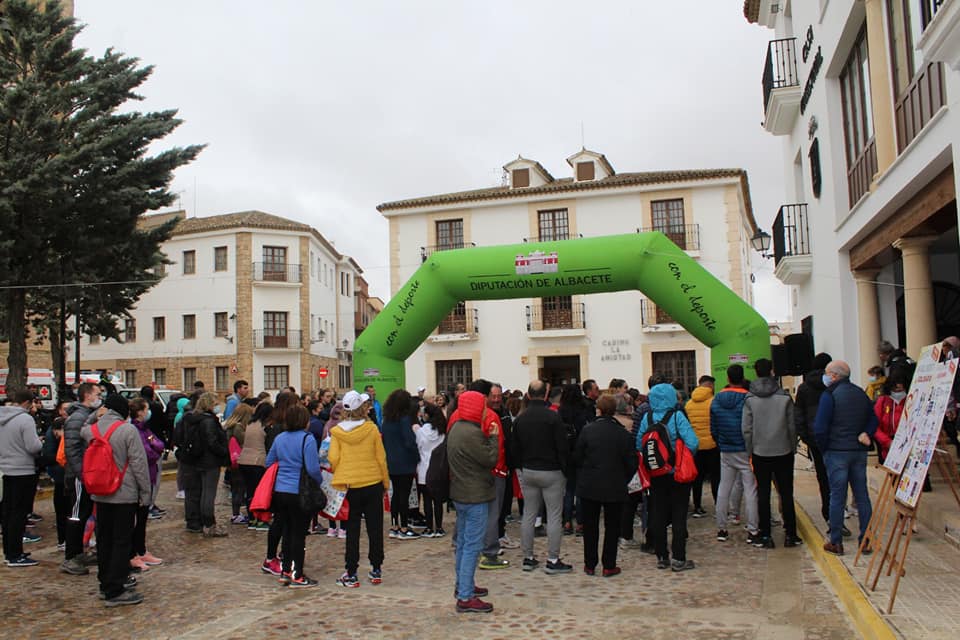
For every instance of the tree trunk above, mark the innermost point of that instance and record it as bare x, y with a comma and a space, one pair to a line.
17, 334
56, 352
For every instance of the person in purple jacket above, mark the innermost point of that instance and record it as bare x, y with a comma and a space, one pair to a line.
142, 560
293, 449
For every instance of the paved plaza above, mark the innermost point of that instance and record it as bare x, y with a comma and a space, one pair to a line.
214, 589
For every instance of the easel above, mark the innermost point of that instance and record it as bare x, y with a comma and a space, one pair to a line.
902, 532
948, 468
873, 537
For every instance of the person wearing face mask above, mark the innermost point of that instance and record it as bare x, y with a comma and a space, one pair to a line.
79, 413
889, 409
876, 383
843, 429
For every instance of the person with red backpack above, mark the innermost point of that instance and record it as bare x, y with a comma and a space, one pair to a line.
668, 498
116, 476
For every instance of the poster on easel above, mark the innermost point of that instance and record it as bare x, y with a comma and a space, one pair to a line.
906, 434
934, 380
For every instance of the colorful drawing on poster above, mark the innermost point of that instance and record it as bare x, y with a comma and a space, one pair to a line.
934, 381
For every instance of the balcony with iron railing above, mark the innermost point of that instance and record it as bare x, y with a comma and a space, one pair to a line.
550, 237
685, 236
564, 319
276, 272
276, 339
426, 252
463, 323
781, 87
653, 318
791, 244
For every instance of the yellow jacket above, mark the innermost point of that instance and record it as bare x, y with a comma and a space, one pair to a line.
875, 388
357, 456
698, 411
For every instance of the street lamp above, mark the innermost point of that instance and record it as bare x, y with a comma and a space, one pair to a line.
761, 243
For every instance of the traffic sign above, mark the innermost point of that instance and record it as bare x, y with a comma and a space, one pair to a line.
323, 372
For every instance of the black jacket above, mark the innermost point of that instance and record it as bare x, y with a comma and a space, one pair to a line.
606, 459
806, 403
540, 439
215, 452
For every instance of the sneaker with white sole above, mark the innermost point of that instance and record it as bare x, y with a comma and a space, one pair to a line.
409, 534
349, 581
555, 567
375, 576
22, 561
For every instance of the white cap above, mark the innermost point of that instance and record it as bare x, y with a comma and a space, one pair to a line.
421, 389
353, 400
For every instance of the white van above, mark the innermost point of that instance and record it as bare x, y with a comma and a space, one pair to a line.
42, 380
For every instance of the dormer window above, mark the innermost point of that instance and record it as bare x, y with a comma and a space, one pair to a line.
585, 170
521, 178
526, 173
589, 165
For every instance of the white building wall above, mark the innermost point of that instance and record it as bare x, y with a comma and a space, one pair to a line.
830, 295
204, 293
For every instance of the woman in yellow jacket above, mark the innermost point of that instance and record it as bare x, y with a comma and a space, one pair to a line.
708, 455
359, 465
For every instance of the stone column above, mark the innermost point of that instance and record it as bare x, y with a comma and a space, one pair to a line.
868, 317
885, 134
917, 293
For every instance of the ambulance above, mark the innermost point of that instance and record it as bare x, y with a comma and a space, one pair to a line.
42, 380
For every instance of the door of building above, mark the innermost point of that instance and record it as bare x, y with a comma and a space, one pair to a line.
560, 370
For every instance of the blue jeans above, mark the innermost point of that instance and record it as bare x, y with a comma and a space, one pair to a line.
843, 468
471, 524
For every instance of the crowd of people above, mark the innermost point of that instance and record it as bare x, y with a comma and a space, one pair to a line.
567, 454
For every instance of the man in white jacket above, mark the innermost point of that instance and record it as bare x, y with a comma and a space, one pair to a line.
19, 448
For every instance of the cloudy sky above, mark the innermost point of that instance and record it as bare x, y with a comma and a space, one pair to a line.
318, 111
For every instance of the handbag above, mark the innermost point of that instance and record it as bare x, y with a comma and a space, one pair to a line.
263, 496
685, 469
235, 450
312, 497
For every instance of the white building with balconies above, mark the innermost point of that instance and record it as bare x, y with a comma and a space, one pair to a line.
864, 96
247, 296
568, 339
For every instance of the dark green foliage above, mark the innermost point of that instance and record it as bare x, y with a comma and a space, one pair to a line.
75, 176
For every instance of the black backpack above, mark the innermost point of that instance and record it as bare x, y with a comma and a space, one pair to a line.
438, 473
190, 442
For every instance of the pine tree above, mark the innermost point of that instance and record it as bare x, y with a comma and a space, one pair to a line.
75, 177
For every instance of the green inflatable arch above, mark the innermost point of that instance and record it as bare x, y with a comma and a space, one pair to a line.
648, 262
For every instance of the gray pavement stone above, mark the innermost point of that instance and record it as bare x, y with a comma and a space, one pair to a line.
214, 589
929, 593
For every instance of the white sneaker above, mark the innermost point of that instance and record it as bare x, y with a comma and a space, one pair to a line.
181, 495
538, 522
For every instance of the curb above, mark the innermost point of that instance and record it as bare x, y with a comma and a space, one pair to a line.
865, 618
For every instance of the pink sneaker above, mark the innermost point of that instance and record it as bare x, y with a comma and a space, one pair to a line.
271, 567
137, 562
342, 534
151, 560
331, 533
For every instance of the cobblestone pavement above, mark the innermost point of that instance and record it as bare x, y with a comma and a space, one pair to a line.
930, 589
214, 589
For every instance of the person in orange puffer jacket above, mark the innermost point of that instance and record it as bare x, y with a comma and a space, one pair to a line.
708, 455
